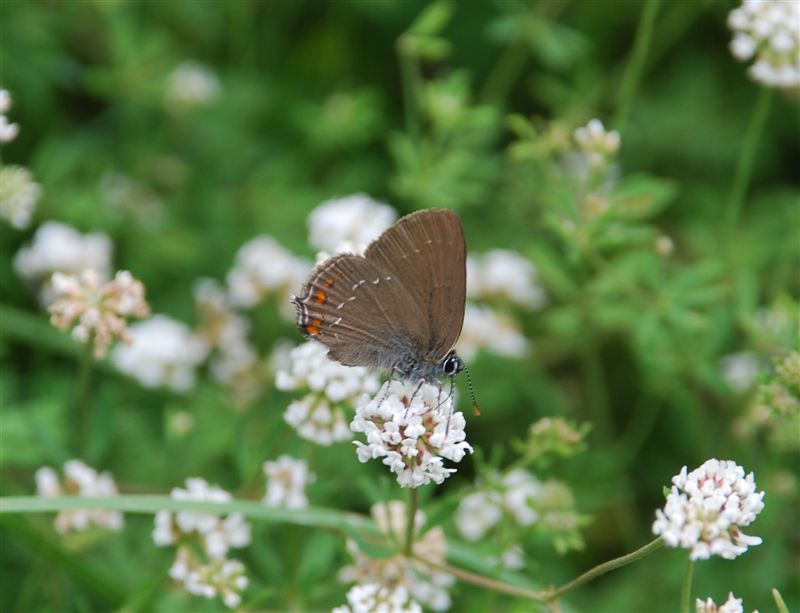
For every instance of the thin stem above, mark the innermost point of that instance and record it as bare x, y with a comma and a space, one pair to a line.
84, 388
605, 567
635, 68
413, 504
482, 581
779, 602
686, 592
744, 166
410, 77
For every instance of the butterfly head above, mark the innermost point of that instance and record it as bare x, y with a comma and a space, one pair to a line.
451, 364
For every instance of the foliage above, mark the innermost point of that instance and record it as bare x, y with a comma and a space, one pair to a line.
658, 260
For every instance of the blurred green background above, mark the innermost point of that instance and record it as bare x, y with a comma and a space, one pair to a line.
470, 111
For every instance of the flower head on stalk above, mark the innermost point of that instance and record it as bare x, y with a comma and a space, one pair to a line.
8, 130
769, 31
80, 480
19, 194
420, 584
286, 483
732, 605
98, 311
163, 351
349, 223
331, 388
205, 570
414, 429
707, 507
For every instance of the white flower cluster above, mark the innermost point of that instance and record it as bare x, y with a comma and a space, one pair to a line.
422, 585
349, 223
100, 309
486, 328
372, 597
414, 429
498, 275
507, 275
769, 31
526, 501
286, 483
319, 416
235, 363
706, 508
597, 143
19, 194
190, 84
516, 495
208, 572
162, 351
8, 130
80, 480
263, 268
57, 247
732, 605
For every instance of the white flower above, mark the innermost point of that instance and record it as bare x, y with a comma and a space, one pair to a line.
740, 370
264, 268
769, 31
505, 274
349, 223
8, 131
191, 84
222, 577
286, 483
162, 352
706, 508
486, 328
375, 598
521, 490
57, 247
217, 534
597, 143
477, 513
732, 605
236, 362
423, 585
100, 310
19, 194
80, 480
414, 429
311, 368
319, 416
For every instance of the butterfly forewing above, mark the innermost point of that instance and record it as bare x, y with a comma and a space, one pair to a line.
427, 253
359, 310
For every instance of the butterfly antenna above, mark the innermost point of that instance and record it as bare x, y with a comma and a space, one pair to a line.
476, 410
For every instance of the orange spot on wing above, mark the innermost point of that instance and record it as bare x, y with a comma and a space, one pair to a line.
321, 297
328, 282
312, 330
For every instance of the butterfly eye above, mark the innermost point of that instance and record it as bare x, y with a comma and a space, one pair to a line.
452, 365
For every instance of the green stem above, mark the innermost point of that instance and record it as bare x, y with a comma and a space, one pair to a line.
747, 154
686, 592
411, 80
635, 68
413, 503
605, 567
480, 580
84, 388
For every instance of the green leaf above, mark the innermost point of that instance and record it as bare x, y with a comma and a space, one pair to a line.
642, 196
433, 18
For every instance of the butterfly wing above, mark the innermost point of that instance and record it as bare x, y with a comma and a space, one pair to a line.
359, 310
426, 252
